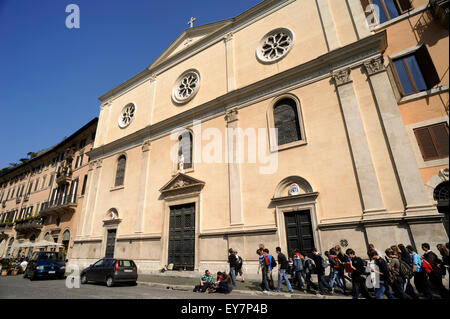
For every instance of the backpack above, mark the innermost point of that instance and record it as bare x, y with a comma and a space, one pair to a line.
324, 263
298, 264
348, 268
426, 266
405, 270
310, 265
273, 263
337, 262
391, 275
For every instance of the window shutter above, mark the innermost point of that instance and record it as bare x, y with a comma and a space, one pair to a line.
405, 5
427, 67
440, 135
426, 143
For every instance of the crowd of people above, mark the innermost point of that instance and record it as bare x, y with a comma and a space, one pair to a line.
398, 273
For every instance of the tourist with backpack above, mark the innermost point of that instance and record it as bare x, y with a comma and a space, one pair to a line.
397, 280
420, 275
382, 270
297, 262
357, 270
283, 265
233, 265
321, 265
308, 269
335, 266
271, 265
445, 258
435, 275
239, 264
263, 267
343, 259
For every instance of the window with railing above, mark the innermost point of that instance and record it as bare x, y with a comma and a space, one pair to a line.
385, 10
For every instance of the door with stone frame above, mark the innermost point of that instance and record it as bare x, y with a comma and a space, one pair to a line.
299, 231
182, 236
110, 243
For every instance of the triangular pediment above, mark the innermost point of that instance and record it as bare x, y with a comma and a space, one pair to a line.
182, 182
188, 38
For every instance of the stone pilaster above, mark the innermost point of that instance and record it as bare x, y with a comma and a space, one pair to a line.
229, 53
328, 26
152, 98
234, 175
81, 230
365, 171
143, 189
359, 18
406, 168
93, 198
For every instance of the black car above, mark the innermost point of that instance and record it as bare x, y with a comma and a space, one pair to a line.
110, 271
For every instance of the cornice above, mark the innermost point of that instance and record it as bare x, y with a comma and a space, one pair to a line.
349, 56
231, 25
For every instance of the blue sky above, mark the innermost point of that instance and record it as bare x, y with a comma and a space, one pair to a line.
51, 76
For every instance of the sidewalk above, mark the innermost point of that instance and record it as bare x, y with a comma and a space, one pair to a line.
250, 287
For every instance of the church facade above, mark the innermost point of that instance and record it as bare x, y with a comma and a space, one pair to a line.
279, 127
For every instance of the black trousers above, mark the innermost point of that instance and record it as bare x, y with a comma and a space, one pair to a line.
421, 283
436, 280
203, 288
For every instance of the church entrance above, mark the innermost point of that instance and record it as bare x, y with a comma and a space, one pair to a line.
182, 236
299, 233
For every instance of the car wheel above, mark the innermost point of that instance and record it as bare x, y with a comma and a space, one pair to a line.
84, 279
109, 281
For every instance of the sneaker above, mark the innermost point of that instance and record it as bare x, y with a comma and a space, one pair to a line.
320, 295
291, 291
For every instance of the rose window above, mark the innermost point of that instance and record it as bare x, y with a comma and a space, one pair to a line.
275, 45
186, 86
127, 115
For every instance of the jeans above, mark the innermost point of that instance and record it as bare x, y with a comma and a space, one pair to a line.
233, 275
282, 275
265, 283
356, 286
298, 274
384, 289
322, 282
334, 275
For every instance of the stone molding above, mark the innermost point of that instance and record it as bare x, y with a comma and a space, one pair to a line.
228, 37
181, 183
231, 115
375, 65
352, 55
146, 146
342, 77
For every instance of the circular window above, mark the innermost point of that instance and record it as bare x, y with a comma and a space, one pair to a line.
186, 86
275, 45
127, 115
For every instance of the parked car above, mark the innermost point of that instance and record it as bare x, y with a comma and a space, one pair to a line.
110, 271
46, 264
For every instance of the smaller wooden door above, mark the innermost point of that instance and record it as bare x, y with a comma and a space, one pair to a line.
299, 232
110, 243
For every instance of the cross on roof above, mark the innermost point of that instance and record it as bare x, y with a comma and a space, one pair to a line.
191, 22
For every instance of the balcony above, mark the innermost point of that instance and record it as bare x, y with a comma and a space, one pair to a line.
440, 10
18, 199
28, 226
5, 229
64, 176
60, 206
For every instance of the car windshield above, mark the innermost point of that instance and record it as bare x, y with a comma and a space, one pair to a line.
51, 256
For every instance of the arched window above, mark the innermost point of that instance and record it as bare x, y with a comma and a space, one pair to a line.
120, 173
185, 151
285, 117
